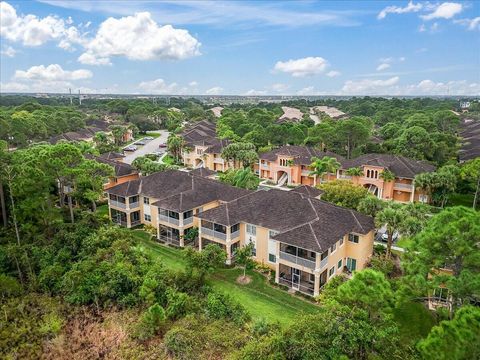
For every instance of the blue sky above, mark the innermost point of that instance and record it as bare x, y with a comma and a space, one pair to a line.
227, 47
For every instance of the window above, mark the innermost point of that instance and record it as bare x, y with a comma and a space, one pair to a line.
312, 278
188, 214
341, 242
146, 200
251, 240
147, 217
251, 229
333, 248
331, 271
133, 199
324, 255
272, 258
353, 238
199, 210
351, 264
272, 246
339, 264
423, 198
235, 228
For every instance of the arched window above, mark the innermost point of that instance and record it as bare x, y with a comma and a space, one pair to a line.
376, 174
368, 173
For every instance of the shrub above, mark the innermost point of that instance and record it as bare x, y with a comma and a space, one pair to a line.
220, 306
262, 327
151, 322
9, 286
177, 303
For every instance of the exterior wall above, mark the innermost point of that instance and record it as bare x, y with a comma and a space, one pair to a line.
261, 244
211, 161
361, 251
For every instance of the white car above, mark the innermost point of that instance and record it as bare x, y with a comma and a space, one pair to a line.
140, 142
130, 148
148, 138
394, 236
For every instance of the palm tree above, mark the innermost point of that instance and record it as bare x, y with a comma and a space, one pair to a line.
355, 171
175, 145
391, 217
387, 175
323, 166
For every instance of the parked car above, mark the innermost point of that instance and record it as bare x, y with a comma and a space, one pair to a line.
130, 148
158, 153
385, 236
148, 138
140, 142
162, 145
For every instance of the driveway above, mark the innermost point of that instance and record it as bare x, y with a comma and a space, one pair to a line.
150, 147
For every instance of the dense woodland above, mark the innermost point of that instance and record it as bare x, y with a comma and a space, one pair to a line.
72, 285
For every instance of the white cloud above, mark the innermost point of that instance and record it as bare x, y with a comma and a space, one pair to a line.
13, 87
253, 92
52, 72
309, 90
471, 24
139, 37
421, 50
369, 86
429, 87
402, 58
383, 66
446, 10
216, 90
302, 67
333, 73
193, 84
422, 28
8, 51
280, 87
158, 86
411, 7
31, 30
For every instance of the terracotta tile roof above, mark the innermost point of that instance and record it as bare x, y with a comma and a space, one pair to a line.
401, 166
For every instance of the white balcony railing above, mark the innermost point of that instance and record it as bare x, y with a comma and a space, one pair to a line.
344, 177
118, 204
323, 263
135, 223
218, 161
297, 260
408, 187
213, 233
188, 221
134, 205
235, 234
168, 219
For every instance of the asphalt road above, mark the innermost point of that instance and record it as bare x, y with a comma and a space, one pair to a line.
148, 148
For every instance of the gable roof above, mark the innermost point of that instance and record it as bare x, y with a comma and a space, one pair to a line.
120, 168
112, 155
401, 166
308, 190
302, 155
302, 220
204, 133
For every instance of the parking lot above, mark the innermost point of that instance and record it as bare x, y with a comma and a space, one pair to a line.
150, 146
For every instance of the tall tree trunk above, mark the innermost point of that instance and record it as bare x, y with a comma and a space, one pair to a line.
14, 216
477, 191
70, 206
94, 206
3, 207
389, 244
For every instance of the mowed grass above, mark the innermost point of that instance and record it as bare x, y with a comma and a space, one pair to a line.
460, 199
414, 321
259, 298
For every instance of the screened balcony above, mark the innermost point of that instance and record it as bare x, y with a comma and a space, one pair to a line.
299, 256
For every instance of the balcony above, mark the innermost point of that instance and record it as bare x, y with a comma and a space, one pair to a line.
344, 177
213, 233
235, 234
135, 223
119, 222
218, 161
303, 286
188, 221
118, 204
134, 205
306, 173
168, 219
323, 263
297, 260
405, 187
264, 167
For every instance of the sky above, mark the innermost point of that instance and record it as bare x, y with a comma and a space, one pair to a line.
241, 48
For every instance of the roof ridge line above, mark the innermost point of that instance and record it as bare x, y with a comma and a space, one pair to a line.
358, 222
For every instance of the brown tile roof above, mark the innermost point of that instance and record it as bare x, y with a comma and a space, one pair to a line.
302, 155
178, 190
302, 220
401, 166
112, 155
121, 169
203, 172
470, 134
308, 190
204, 133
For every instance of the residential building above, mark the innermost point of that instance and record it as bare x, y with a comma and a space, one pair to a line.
305, 240
290, 165
123, 172
401, 189
168, 201
203, 149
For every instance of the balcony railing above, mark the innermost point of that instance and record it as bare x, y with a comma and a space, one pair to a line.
213, 233
323, 263
264, 166
118, 204
135, 223
303, 286
188, 221
408, 187
133, 205
120, 222
297, 260
306, 173
235, 234
169, 240
344, 177
218, 161
168, 219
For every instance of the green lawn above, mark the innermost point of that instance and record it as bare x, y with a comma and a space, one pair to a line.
414, 321
102, 210
259, 298
460, 199
404, 242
